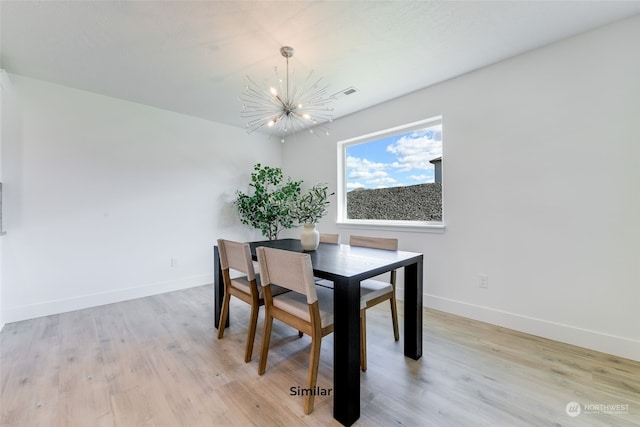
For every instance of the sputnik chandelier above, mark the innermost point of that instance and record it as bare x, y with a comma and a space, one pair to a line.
285, 108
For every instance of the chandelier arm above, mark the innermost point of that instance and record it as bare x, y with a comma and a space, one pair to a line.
257, 117
251, 89
254, 101
280, 101
251, 92
314, 91
259, 123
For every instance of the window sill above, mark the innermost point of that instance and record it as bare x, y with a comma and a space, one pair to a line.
419, 226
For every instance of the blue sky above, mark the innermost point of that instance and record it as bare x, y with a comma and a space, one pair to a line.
398, 160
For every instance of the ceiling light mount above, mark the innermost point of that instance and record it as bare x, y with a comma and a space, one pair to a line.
285, 108
287, 51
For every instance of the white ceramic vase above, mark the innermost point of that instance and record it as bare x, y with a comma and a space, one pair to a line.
310, 238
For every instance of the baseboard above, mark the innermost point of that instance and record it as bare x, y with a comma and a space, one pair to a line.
594, 340
31, 311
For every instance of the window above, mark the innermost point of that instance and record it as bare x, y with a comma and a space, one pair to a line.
392, 177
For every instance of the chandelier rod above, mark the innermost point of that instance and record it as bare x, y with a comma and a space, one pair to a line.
287, 76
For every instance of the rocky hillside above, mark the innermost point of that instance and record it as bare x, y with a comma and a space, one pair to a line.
421, 202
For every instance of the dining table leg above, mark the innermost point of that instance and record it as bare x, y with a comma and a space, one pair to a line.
218, 289
346, 351
413, 310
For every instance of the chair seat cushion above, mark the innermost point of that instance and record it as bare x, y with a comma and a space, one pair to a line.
371, 289
296, 304
243, 284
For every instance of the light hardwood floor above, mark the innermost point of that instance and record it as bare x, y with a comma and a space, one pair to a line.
156, 362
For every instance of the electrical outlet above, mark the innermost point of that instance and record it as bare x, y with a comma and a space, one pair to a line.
174, 262
483, 281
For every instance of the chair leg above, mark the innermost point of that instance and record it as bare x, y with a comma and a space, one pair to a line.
363, 340
394, 317
266, 338
223, 315
251, 334
314, 361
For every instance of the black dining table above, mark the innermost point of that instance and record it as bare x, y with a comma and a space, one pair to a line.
347, 266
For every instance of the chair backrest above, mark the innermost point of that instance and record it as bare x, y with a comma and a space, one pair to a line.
329, 238
377, 243
374, 242
291, 270
236, 256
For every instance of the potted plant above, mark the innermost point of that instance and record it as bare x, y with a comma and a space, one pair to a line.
269, 205
308, 210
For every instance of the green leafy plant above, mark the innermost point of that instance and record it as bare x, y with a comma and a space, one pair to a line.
313, 205
269, 205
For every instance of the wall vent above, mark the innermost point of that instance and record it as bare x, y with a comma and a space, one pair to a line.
344, 92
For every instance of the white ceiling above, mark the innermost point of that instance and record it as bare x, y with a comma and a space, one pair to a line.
191, 56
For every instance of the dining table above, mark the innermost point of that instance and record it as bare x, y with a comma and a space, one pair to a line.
347, 266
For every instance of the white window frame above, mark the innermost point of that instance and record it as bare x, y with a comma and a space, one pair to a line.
343, 221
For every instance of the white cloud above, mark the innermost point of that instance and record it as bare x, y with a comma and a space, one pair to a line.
420, 178
414, 152
365, 174
366, 170
364, 164
354, 185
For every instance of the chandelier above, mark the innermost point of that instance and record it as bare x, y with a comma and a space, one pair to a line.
285, 108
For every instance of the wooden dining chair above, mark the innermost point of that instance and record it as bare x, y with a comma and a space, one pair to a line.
373, 292
329, 238
307, 308
235, 257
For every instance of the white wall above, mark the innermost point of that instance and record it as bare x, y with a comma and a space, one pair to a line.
541, 189
8, 132
101, 194
4, 99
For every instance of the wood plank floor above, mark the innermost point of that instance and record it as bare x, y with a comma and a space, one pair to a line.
156, 362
